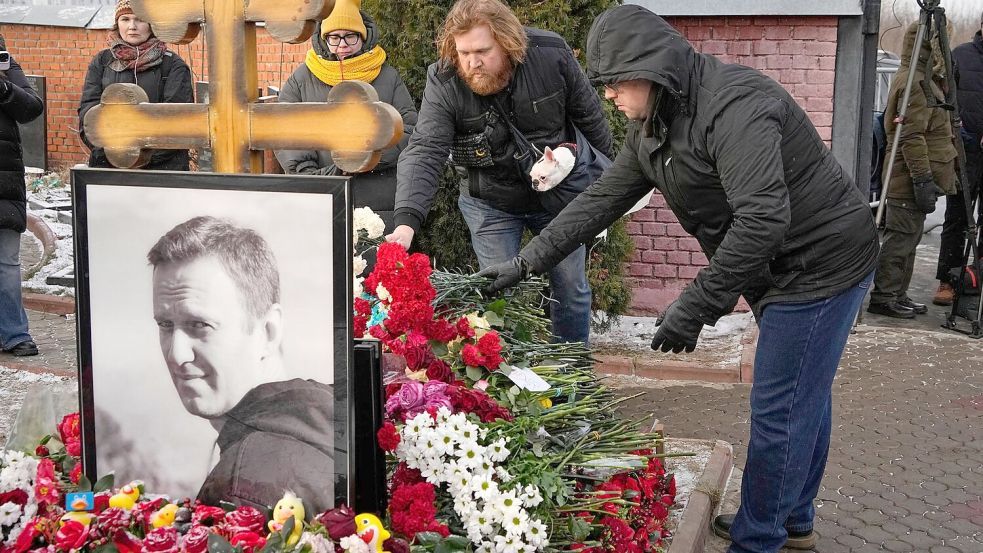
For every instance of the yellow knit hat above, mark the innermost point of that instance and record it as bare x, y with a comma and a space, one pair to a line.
122, 7
344, 16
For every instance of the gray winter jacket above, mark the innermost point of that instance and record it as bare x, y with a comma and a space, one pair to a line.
738, 162
377, 188
548, 92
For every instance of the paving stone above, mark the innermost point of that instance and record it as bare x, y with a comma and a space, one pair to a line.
898, 546
921, 541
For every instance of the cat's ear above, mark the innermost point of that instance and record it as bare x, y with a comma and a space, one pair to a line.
548, 154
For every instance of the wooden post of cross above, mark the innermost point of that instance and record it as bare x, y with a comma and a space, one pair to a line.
232, 124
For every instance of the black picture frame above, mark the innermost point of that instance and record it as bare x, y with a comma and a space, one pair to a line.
284, 210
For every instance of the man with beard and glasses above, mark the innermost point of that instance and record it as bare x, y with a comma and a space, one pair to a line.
746, 173
491, 67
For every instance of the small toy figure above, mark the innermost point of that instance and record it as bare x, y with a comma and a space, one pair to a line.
370, 529
127, 496
164, 516
289, 506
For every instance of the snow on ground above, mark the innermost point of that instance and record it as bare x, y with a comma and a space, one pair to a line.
15, 387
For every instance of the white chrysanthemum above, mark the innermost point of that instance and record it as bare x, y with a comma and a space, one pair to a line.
537, 534
472, 457
516, 524
10, 513
485, 547
497, 451
507, 544
531, 496
318, 543
365, 219
485, 488
506, 505
503, 474
359, 264
356, 286
354, 544
382, 293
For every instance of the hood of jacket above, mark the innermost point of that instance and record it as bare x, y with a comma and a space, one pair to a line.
934, 50
630, 42
301, 409
320, 45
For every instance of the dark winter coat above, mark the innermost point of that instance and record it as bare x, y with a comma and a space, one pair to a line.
738, 162
547, 90
168, 82
377, 188
280, 436
926, 146
969, 71
19, 104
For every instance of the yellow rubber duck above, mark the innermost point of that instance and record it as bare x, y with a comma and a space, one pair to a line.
289, 506
164, 516
370, 529
126, 497
78, 516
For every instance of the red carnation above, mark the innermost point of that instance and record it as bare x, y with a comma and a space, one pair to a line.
388, 437
17, 497
72, 535
413, 510
161, 540
248, 541
464, 329
30, 533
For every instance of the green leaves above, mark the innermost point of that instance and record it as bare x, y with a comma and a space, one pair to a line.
432, 541
103, 484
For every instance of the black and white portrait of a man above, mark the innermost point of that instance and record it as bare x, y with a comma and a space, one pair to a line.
212, 342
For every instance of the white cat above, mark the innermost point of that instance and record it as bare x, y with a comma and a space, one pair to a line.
553, 167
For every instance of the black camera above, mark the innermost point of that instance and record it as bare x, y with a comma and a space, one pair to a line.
4, 60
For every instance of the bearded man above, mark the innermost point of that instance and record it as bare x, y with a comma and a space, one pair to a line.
492, 68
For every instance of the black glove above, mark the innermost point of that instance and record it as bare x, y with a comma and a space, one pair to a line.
678, 330
924, 187
505, 275
4, 87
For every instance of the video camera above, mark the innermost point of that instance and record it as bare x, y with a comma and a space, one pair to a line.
4, 60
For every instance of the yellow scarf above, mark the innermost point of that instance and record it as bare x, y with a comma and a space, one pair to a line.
364, 67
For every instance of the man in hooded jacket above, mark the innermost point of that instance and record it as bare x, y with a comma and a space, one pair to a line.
746, 173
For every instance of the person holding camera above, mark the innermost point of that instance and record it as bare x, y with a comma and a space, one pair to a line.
924, 166
19, 103
136, 56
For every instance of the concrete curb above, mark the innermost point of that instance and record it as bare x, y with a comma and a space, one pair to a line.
694, 526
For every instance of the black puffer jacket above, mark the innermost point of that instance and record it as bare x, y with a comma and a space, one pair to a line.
169, 82
546, 90
969, 66
739, 163
377, 188
19, 103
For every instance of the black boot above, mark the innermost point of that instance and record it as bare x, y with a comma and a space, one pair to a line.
918, 308
891, 309
796, 540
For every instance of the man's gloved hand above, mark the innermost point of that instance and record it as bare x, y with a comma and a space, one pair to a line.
677, 331
925, 196
4, 87
505, 275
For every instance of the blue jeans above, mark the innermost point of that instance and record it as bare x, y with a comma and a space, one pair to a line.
13, 319
799, 348
496, 237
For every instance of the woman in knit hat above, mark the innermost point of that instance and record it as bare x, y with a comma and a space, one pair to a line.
136, 56
346, 48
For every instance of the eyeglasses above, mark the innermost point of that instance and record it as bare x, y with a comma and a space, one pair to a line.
350, 39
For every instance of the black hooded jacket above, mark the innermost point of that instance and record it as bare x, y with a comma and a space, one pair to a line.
280, 436
969, 66
547, 90
738, 162
19, 103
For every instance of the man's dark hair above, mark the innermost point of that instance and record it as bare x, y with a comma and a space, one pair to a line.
246, 256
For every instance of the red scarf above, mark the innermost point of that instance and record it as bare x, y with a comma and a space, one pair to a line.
135, 58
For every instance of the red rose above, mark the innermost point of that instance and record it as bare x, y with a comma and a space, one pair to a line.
388, 437
41, 451
71, 536
246, 519
196, 540
76, 473
439, 370
207, 515
69, 428
17, 497
143, 510
249, 541
27, 536
339, 522
127, 542
101, 502
396, 545
161, 540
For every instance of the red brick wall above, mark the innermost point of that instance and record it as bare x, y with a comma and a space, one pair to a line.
799, 53
62, 54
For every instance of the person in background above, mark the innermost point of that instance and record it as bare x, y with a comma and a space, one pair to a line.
745, 171
347, 48
136, 56
492, 67
924, 166
968, 59
19, 103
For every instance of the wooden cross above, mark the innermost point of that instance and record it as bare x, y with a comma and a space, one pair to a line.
233, 124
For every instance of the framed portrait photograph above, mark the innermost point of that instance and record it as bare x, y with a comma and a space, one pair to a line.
215, 333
